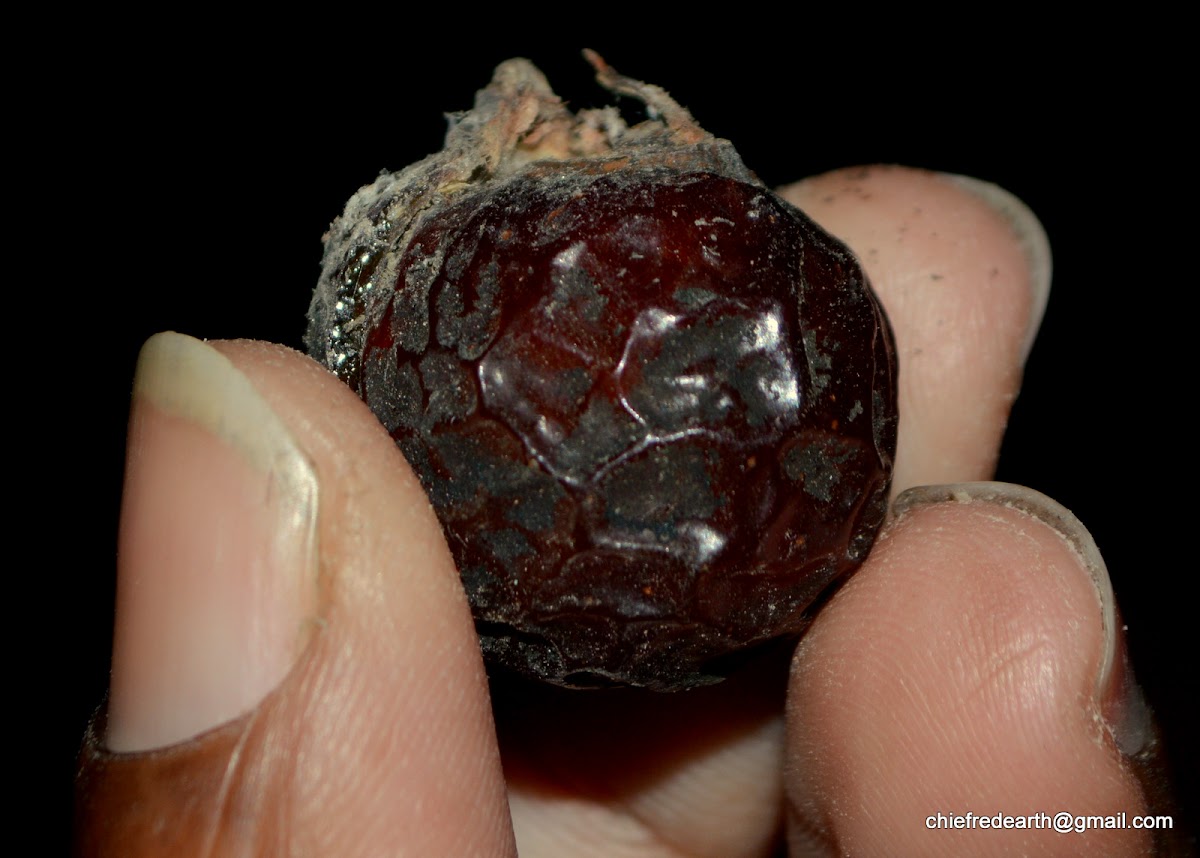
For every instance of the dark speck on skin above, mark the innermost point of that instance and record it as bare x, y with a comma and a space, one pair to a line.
815, 467
693, 297
654, 493
397, 389
819, 363
574, 285
450, 390
508, 544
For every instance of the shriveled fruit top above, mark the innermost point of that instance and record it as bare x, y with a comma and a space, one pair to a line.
653, 404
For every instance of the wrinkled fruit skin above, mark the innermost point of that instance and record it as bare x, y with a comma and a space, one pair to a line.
655, 415
653, 405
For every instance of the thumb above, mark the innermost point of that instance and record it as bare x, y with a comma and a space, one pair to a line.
294, 666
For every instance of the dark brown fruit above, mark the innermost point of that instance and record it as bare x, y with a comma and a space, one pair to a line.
653, 404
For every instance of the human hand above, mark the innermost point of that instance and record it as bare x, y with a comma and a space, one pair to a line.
967, 666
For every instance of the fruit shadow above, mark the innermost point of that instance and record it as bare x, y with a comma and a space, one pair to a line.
609, 745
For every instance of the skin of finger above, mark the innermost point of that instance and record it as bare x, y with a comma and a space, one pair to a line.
698, 802
956, 672
380, 740
954, 279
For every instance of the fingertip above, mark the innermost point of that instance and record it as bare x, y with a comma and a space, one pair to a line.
1030, 235
378, 737
964, 668
217, 577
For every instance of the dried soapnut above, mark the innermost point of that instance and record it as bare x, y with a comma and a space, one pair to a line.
653, 404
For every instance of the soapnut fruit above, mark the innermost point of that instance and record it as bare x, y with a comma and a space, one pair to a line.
653, 404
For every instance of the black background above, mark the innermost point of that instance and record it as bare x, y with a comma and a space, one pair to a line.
193, 179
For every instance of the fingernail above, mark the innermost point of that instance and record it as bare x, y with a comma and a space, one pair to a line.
1032, 237
1122, 706
216, 570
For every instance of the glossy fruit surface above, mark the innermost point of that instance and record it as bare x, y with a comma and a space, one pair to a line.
652, 404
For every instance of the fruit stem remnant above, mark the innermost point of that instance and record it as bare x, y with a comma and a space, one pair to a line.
659, 104
517, 121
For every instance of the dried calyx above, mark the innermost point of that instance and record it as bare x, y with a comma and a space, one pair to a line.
517, 123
